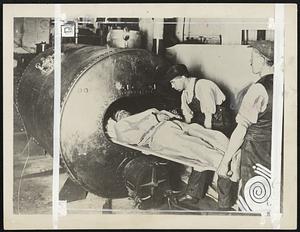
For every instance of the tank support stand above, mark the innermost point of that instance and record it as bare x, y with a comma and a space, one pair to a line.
72, 191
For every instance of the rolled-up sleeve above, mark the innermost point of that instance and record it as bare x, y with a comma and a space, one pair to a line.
209, 95
186, 111
254, 102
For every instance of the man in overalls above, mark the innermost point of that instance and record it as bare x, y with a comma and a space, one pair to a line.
254, 120
204, 103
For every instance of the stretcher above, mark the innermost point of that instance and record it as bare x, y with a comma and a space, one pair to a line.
178, 157
147, 151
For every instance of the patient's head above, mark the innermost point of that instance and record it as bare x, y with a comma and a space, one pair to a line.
120, 114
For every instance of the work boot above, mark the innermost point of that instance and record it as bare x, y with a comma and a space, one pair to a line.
188, 198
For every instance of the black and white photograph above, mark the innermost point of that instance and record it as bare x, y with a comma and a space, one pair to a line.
169, 115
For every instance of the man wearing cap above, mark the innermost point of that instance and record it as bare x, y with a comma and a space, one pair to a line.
204, 103
254, 119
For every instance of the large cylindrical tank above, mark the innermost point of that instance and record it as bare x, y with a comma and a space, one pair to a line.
94, 82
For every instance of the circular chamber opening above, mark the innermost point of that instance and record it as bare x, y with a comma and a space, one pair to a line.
132, 104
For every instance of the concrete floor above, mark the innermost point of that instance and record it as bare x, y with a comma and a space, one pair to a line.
33, 192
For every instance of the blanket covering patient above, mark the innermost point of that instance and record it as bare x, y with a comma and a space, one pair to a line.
165, 133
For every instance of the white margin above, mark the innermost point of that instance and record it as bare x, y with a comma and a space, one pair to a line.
277, 118
56, 116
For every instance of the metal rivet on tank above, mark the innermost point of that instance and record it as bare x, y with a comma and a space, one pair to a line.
118, 85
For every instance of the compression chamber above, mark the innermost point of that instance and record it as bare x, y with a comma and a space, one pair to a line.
95, 81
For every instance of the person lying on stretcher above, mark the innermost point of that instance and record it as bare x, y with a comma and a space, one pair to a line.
165, 133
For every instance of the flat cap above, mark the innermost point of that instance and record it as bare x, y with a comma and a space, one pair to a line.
176, 70
265, 47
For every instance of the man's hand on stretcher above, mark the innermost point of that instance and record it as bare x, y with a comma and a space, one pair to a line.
164, 115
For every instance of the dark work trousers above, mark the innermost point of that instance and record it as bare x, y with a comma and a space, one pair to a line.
198, 183
224, 122
227, 192
253, 152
